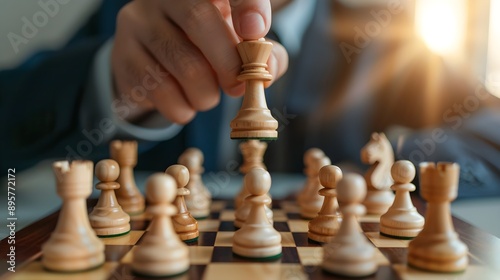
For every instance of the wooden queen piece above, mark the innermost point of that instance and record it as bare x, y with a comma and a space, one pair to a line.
254, 120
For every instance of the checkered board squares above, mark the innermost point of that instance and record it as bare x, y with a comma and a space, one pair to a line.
211, 256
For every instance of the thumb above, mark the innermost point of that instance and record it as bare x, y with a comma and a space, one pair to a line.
251, 18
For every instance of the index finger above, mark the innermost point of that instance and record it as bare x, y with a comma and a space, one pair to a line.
204, 25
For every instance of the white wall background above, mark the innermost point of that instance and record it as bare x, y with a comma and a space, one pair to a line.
54, 29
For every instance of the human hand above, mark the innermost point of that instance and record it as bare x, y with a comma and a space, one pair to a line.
174, 56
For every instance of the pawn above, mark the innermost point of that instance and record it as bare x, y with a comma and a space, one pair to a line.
241, 214
161, 252
310, 156
73, 246
108, 218
184, 224
253, 155
402, 219
128, 195
325, 226
349, 253
257, 238
200, 198
311, 201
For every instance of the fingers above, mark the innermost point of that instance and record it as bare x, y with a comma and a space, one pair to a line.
191, 44
145, 83
185, 62
251, 18
207, 29
277, 62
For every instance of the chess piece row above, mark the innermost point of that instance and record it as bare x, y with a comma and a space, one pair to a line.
74, 244
435, 246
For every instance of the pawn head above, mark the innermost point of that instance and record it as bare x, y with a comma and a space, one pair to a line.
161, 188
180, 173
403, 172
351, 189
257, 181
311, 154
329, 176
194, 156
107, 170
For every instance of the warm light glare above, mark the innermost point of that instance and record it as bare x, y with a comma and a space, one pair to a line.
441, 23
493, 62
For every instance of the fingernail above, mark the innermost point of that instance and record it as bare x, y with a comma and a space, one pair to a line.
252, 26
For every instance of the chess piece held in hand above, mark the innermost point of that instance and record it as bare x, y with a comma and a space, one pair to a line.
73, 246
402, 219
107, 218
437, 247
254, 120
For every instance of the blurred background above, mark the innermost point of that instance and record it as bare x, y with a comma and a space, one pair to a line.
464, 32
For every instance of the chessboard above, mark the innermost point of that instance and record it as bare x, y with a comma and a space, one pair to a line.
211, 255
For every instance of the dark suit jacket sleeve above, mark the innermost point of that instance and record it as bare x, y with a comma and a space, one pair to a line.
40, 99
473, 142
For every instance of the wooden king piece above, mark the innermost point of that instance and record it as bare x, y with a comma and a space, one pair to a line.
437, 247
254, 120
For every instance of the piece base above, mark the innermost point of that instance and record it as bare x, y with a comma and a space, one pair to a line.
254, 138
397, 237
73, 271
201, 217
436, 271
261, 259
113, 235
191, 240
315, 242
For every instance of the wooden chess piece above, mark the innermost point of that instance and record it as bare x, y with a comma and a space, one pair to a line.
378, 152
437, 247
161, 252
402, 219
241, 214
309, 157
254, 120
184, 224
311, 200
257, 238
350, 253
73, 246
325, 226
128, 195
253, 157
199, 200
108, 219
